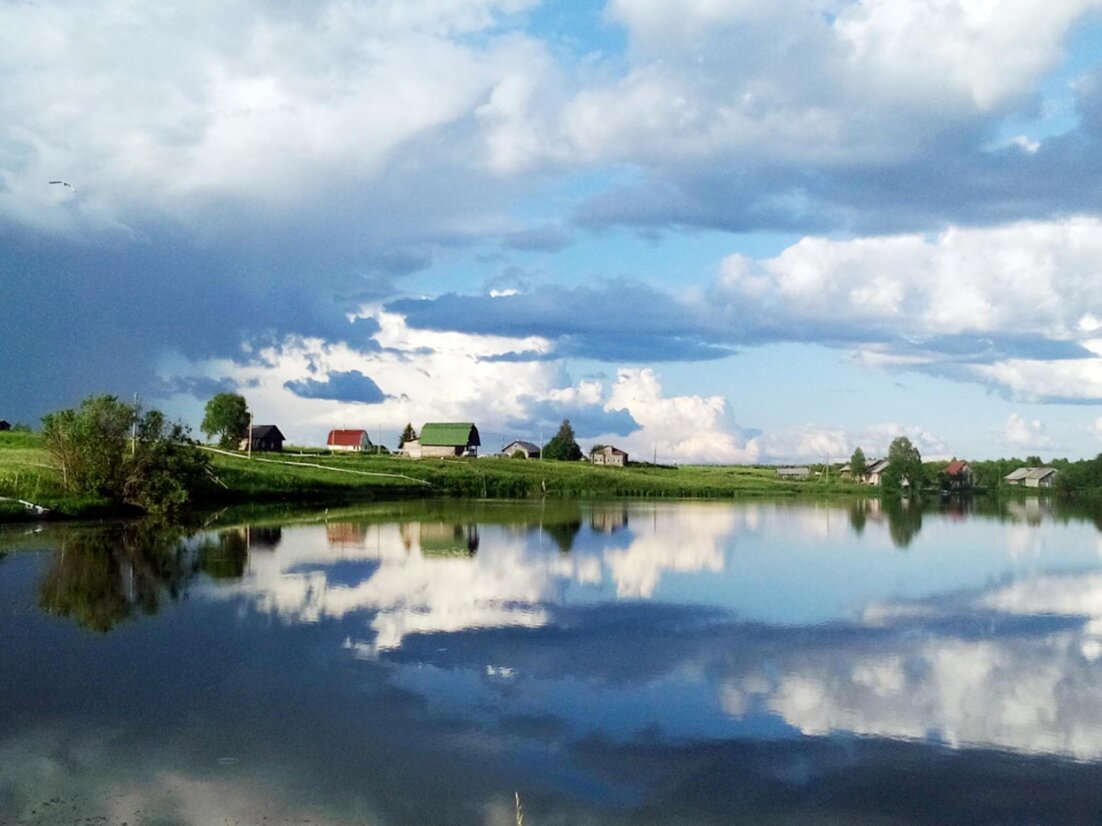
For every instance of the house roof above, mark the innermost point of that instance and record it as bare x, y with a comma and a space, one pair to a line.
265, 431
347, 438
521, 445
450, 434
877, 466
608, 450
956, 468
1030, 473
1040, 472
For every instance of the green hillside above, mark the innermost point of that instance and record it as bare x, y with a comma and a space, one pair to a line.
314, 477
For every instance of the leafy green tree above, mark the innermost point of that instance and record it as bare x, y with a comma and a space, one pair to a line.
408, 435
164, 468
904, 466
858, 464
108, 448
227, 417
563, 446
88, 444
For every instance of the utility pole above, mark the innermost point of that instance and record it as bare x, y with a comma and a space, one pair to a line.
250, 436
134, 429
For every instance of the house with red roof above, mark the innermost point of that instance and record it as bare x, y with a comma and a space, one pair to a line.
352, 441
957, 476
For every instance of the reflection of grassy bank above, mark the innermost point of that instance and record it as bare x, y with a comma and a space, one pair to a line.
25, 474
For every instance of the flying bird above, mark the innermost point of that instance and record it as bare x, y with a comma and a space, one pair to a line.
65, 183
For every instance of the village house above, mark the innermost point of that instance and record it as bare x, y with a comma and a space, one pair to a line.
440, 440
5, 424
875, 471
352, 441
957, 476
793, 472
608, 455
1032, 477
264, 438
529, 450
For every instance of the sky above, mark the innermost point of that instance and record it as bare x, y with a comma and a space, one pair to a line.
711, 230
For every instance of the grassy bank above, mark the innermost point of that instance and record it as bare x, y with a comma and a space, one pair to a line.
313, 478
494, 478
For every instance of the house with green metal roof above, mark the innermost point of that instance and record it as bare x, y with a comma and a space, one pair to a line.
444, 439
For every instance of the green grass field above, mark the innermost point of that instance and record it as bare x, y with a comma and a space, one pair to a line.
319, 478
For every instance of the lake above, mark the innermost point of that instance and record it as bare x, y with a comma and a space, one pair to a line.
637, 662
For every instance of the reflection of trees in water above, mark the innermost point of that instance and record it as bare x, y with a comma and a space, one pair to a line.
859, 515
263, 538
904, 519
225, 556
564, 533
101, 577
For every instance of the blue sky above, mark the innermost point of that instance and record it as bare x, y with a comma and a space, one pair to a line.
715, 230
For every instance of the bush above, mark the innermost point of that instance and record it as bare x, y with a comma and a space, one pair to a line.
107, 448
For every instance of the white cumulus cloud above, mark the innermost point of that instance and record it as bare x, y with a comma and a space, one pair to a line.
1021, 432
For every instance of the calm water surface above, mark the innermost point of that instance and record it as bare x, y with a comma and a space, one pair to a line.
612, 663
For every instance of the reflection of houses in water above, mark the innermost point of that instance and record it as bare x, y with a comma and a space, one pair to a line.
608, 518
956, 508
257, 538
1031, 511
346, 534
440, 538
263, 538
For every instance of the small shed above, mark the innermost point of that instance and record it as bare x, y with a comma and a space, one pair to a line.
353, 441
608, 455
529, 450
443, 439
5, 424
264, 438
793, 472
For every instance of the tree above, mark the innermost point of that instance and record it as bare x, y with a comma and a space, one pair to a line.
408, 435
904, 466
108, 448
857, 464
563, 446
88, 445
227, 417
164, 468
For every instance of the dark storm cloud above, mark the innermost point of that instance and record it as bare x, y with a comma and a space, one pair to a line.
619, 322
352, 386
634, 323
78, 319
